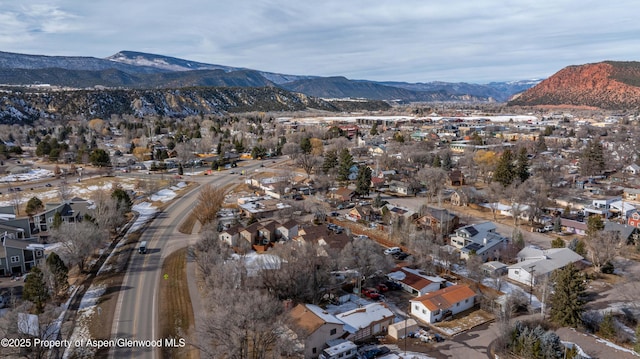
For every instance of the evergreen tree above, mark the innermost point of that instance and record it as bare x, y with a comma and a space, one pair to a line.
378, 202
557, 243
594, 225
436, 162
374, 129
34, 205
363, 181
578, 246
567, 302
59, 271
330, 161
57, 220
258, 152
522, 165
35, 289
122, 198
592, 159
541, 145
446, 163
345, 162
99, 158
504, 173
305, 145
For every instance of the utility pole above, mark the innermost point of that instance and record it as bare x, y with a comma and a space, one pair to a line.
532, 270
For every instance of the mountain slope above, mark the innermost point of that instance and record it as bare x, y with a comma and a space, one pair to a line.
25, 107
607, 85
9, 60
341, 87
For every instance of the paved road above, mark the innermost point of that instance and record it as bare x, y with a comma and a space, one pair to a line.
136, 314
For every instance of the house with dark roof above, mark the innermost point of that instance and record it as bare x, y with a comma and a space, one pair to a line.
315, 327
230, 235
439, 220
288, 230
343, 194
433, 307
480, 239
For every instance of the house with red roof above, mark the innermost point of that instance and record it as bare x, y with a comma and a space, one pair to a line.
415, 281
433, 307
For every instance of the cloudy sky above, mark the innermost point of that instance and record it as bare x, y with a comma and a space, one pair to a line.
405, 40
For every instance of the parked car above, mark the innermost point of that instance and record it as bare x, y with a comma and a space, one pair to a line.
371, 293
400, 255
375, 352
382, 287
392, 250
548, 227
393, 285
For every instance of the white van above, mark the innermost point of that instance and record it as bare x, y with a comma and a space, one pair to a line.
143, 247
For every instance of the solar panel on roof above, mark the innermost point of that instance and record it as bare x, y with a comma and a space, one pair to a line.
474, 246
472, 231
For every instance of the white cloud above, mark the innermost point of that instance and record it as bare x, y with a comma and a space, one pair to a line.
411, 40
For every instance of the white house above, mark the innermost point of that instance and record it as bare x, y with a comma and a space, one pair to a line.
288, 230
414, 281
367, 321
432, 307
535, 263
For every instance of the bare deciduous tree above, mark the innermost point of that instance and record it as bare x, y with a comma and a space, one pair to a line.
106, 211
602, 247
78, 242
210, 201
366, 257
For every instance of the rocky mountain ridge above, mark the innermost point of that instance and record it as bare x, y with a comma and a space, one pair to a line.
18, 106
608, 85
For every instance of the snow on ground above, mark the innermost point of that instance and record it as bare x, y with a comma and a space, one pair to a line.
146, 211
164, 195
81, 331
509, 288
32, 175
580, 352
616, 347
256, 262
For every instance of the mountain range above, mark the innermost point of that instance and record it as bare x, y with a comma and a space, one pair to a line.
129, 69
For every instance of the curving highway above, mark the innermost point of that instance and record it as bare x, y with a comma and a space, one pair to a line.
136, 313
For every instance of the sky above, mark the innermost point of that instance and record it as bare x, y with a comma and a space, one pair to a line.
405, 40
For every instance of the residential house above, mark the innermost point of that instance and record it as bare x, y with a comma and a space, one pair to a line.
494, 268
480, 239
464, 196
402, 188
230, 235
535, 263
626, 233
365, 322
456, 178
71, 211
433, 307
343, 194
415, 281
633, 169
328, 241
288, 230
631, 194
18, 256
439, 220
315, 327
250, 233
400, 212
573, 226
634, 219
359, 213
267, 232
601, 207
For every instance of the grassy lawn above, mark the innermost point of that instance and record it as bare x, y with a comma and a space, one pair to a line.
175, 305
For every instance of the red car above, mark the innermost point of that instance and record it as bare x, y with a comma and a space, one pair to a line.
371, 293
